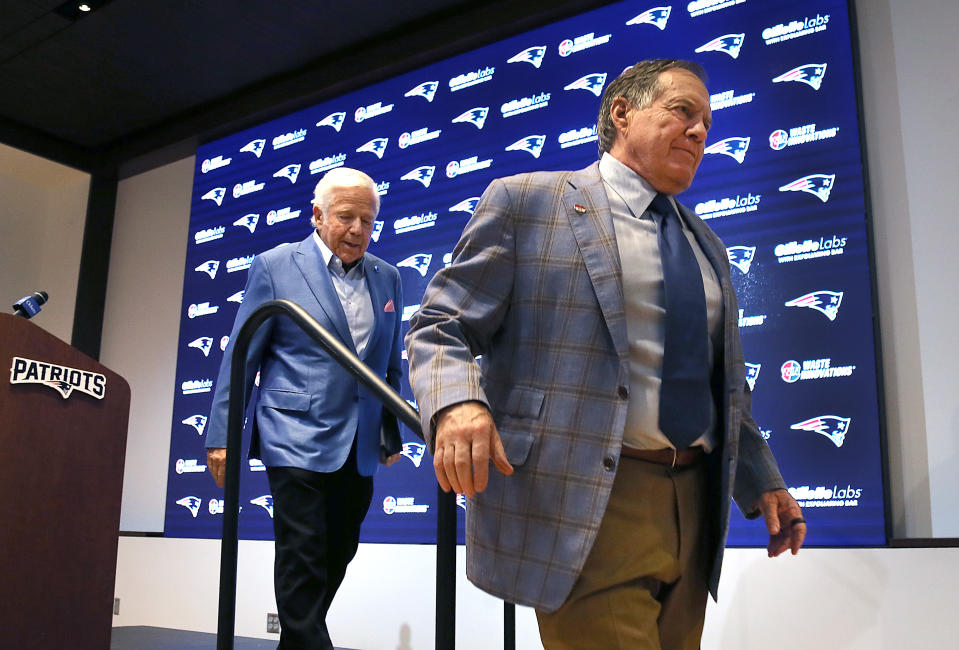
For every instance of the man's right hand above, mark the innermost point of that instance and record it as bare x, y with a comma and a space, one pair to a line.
216, 463
465, 436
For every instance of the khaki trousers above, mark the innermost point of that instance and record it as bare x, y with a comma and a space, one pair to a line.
644, 584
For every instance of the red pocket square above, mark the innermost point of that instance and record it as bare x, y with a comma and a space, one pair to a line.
389, 307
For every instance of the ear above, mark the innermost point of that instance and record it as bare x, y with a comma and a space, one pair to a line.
619, 113
317, 216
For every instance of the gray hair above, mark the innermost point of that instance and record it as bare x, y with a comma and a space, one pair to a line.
342, 177
640, 86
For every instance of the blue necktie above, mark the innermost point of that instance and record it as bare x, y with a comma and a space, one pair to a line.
685, 398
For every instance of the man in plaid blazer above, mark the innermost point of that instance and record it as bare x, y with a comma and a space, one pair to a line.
595, 518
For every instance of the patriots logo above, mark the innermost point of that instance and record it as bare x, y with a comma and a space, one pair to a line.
422, 174
203, 344
810, 74
426, 90
475, 116
819, 185
729, 43
419, 262
591, 82
826, 302
377, 229
255, 147
190, 503
265, 502
414, 451
216, 195
752, 374
657, 16
198, 422
225, 341
466, 205
733, 147
831, 426
741, 256
290, 172
236, 297
531, 144
62, 387
461, 501
376, 146
248, 221
209, 267
333, 120
532, 55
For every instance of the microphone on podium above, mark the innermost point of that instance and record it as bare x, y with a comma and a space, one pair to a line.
29, 306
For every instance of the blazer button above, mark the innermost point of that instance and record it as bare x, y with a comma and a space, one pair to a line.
609, 463
623, 392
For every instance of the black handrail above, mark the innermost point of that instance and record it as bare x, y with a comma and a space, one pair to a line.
446, 508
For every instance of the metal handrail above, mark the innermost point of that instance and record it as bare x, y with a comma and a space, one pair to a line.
446, 507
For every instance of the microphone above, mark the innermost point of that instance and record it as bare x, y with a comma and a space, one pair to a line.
29, 306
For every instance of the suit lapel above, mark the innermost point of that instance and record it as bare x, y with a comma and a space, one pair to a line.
308, 259
592, 223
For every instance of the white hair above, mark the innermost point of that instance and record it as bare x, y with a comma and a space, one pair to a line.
338, 178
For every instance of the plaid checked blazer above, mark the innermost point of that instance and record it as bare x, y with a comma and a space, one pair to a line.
535, 287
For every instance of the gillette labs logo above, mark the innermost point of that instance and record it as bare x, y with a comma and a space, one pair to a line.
780, 139
741, 257
475, 116
415, 222
532, 55
327, 163
403, 505
248, 221
426, 90
254, 147
657, 16
728, 98
188, 466
367, 112
194, 386
216, 195
576, 137
62, 379
376, 146
284, 214
715, 208
290, 172
239, 264
592, 82
482, 75
465, 166
831, 426
419, 262
795, 29
422, 174
735, 148
524, 104
247, 187
408, 139
198, 422
825, 302
334, 121
201, 309
808, 249
210, 268
819, 185
729, 44
210, 164
383, 188
466, 205
792, 371
810, 74
203, 344
700, 7
823, 497
208, 235
287, 139
531, 144
752, 374
581, 43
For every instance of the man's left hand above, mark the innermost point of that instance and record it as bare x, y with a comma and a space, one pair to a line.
784, 521
389, 460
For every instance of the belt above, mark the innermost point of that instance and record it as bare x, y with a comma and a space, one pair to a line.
668, 457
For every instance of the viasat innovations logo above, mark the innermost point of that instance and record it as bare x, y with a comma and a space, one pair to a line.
753, 320
254, 147
426, 90
420, 262
458, 167
728, 44
247, 187
422, 174
728, 98
248, 221
741, 257
819, 185
780, 139
524, 104
813, 369
209, 267
215, 506
290, 172
62, 379
408, 139
283, 214
580, 43
376, 146
700, 7
198, 422
795, 29
209, 164
657, 17
208, 235
810, 74
735, 148
201, 309
334, 121
461, 81
592, 82
204, 344
188, 466
414, 451
832, 426
531, 144
532, 55
216, 195
403, 505
475, 116
466, 205
825, 302
371, 111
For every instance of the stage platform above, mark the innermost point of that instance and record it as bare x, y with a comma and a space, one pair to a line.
141, 637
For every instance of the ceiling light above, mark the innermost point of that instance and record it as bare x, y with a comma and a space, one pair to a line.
84, 7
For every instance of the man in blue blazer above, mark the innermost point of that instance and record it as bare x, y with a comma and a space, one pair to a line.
316, 429
611, 394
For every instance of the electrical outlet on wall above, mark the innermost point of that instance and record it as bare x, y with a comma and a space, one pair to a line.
272, 623
116, 606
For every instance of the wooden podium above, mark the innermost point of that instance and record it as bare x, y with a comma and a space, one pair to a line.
63, 428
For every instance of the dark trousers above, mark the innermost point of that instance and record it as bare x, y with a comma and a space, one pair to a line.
316, 524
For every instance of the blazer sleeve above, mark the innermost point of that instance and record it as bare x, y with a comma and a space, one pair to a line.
259, 289
462, 308
757, 470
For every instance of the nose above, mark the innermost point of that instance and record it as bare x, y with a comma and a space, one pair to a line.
697, 131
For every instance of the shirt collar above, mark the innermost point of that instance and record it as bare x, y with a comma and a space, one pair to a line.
633, 188
329, 259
